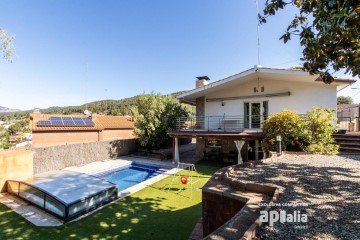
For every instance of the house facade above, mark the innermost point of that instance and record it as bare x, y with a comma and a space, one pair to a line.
52, 130
230, 111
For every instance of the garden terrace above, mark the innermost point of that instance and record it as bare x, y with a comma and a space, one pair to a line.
329, 185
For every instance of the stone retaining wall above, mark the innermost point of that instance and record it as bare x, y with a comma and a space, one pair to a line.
231, 208
59, 157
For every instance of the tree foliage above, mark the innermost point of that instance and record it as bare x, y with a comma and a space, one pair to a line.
155, 116
312, 133
344, 100
6, 45
329, 32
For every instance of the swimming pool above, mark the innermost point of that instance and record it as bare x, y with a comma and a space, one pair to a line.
131, 175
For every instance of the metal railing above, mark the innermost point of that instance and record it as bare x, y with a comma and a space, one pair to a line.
220, 123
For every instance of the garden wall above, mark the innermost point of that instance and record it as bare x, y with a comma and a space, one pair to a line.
59, 157
15, 164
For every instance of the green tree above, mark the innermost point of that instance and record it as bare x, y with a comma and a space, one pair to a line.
329, 32
6, 44
5, 145
155, 116
344, 100
13, 129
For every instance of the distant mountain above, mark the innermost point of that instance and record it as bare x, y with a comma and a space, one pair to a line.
6, 110
109, 107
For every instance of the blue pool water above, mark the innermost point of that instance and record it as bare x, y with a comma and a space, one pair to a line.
132, 175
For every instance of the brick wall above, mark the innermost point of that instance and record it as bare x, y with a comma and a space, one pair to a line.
15, 164
116, 134
46, 139
59, 157
217, 210
200, 147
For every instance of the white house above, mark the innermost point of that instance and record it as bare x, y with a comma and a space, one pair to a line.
233, 108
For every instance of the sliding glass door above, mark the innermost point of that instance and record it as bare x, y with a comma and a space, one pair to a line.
255, 113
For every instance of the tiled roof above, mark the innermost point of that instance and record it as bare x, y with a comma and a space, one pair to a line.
101, 122
114, 122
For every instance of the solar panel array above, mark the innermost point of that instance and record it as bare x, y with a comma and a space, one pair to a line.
66, 121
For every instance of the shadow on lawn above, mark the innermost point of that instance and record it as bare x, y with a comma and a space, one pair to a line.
131, 218
333, 195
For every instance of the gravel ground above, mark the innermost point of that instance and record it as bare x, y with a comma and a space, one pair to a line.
326, 189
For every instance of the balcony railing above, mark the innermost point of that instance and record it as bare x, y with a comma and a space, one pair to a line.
220, 123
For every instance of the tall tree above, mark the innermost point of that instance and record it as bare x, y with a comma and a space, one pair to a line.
344, 100
155, 116
6, 44
329, 30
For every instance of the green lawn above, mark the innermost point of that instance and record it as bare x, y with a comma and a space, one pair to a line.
151, 213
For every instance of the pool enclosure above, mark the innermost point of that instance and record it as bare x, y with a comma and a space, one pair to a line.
65, 194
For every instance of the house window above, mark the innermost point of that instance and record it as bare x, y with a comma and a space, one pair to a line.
265, 109
246, 115
254, 113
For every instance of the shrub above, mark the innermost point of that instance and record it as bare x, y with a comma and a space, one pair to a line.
313, 133
287, 124
320, 127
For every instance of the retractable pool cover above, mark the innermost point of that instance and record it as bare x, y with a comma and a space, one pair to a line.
64, 194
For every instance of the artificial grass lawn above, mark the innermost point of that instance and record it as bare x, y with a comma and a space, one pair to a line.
152, 213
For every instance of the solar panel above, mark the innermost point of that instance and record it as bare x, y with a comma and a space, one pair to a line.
79, 122
66, 121
89, 122
57, 123
44, 123
67, 118
55, 118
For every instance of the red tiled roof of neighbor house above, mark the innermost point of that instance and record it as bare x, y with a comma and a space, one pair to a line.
101, 122
114, 122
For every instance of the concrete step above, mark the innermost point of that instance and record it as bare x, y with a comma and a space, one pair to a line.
349, 149
347, 139
346, 135
349, 144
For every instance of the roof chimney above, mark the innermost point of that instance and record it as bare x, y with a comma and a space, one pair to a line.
36, 114
202, 81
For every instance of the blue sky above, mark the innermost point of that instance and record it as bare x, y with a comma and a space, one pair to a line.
74, 51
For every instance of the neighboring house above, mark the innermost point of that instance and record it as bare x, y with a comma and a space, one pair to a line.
28, 136
350, 111
348, 117
18, 136
232, 109
52, 130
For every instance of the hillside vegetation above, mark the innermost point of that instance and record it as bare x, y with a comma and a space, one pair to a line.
120, 107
